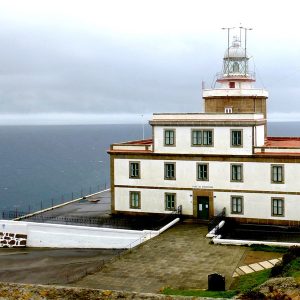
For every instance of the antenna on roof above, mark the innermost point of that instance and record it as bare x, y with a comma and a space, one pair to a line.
245, 29
228, 37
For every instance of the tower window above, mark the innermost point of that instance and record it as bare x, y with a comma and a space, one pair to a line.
228, 110
231, 84
236, 67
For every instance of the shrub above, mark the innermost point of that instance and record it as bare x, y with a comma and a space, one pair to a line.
277, 270
253, 295
287, 258
295, 250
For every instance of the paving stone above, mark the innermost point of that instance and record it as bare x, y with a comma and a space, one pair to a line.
246, 269
256, 267
266, 264
274, 261
235, 275
239, 271
181, 257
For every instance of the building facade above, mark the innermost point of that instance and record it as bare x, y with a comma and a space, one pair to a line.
205, 162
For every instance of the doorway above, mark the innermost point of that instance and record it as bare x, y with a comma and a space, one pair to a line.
203, 207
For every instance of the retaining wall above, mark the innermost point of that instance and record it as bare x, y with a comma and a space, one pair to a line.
69, 236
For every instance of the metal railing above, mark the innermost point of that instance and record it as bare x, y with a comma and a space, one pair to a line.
17, 212
217, 219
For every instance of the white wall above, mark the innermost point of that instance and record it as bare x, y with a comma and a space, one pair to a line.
258, 205
257, 175
260, 135
221, 141
153, 201
67, 236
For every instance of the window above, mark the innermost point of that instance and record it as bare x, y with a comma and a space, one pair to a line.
277, 207
170, 137
207, 137
202, 137
236, 138
228, 110
202, 172
231, 84
135, 199
236, 67
196, 137
236, 204
277, 174
170, 200
236, 172
134, 169
170, 171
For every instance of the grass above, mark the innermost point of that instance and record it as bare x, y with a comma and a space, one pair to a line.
199, 293
293, 268
250, 281
247, 282
242, 284
265, 248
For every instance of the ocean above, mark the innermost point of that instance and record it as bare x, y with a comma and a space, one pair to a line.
45, 165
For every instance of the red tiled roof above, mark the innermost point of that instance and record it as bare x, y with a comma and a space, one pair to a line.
286, 142
138, 142
129, 151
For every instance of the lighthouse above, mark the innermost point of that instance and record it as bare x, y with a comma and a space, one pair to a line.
235, 91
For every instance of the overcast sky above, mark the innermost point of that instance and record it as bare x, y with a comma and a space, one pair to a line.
106, 61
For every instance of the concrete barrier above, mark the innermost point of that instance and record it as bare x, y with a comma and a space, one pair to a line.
70, 236
218, 240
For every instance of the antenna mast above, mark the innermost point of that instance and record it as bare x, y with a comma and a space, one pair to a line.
245, 29
228, 37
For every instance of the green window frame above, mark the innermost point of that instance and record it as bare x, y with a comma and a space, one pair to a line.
237, 205
135, 199
277, 173
200, 137
169, 137
196, 137
202, 172
134, 169
236, 138
236, 172
170, 169
170, 201
278, 207
207, 137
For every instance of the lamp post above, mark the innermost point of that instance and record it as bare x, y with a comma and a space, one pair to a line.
101, 162
143, 126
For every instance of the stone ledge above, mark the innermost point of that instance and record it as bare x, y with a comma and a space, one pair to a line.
15, 291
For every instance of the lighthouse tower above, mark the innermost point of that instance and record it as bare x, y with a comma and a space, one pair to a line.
235, 92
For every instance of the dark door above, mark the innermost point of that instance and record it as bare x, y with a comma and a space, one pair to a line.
203, 207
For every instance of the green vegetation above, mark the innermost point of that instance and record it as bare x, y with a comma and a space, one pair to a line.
247, 284
199, 293
265, 248
250, 281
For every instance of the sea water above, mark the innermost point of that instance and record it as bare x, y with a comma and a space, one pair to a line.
45, 165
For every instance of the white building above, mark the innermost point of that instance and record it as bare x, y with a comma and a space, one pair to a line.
204, 162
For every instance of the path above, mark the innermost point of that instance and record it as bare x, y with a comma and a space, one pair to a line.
180, 257
255, 267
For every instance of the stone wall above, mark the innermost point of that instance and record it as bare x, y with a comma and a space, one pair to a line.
12, 240
14, 291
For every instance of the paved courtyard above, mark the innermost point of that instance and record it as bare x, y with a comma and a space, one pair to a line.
50, 266
180, 258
